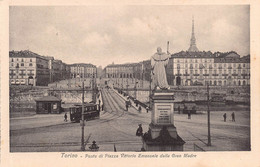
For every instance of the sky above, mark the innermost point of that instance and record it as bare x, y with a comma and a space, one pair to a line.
102, 35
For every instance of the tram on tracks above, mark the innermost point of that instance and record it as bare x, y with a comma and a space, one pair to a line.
91, 111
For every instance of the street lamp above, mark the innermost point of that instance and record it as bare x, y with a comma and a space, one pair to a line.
209, 137
122, 82
135, 88
93, 88
82, 119
127, 87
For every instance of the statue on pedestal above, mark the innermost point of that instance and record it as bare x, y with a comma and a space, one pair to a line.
158, 62
162, 134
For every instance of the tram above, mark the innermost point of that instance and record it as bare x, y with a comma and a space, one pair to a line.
91, 111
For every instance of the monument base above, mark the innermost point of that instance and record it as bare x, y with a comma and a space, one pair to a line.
164, 142
156, 129
162, 134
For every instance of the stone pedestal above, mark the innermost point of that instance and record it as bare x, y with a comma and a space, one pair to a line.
162, 134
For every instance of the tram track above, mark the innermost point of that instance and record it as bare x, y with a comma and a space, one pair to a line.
109, 113
112, 108
131, 110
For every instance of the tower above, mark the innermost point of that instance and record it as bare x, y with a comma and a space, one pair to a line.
193, 47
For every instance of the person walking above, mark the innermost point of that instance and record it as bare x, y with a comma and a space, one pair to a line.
179, 109
139, 131
147, 109
225, 117
65, 117
126, 105
139, 109
135, 101
189, 114
184, 109
233, 116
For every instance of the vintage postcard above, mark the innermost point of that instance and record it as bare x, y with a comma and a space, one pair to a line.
129, 84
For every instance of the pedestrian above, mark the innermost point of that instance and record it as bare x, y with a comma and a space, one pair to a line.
189, 114
139, 131
233, 116
147, 109
193, 109
65, 117
135, 101
225, 117
130, 103
179, 109
184, 109
139, 109
126, 105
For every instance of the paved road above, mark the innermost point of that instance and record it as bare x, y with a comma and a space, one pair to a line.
117, 126
51, 133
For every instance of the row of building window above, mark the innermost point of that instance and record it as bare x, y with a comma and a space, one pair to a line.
22, 60
218, 83
196, 60
88, 75
210, 65
22, 64
215, 71
120, 75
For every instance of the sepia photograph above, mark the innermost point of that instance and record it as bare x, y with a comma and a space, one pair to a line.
129, 83
129, 78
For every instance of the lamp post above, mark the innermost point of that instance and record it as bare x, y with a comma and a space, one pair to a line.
122, 86
93, 88
135, 88
82, 119
127, 86
209, 137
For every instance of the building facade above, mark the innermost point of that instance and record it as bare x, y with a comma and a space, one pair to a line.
195, 67
81, 70
121, 70
28, 68
218, 69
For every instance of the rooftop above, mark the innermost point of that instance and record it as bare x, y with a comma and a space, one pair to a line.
26, 53
122, 65
188, 54
83, 64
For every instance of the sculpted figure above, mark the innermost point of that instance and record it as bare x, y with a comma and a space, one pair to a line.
159, 62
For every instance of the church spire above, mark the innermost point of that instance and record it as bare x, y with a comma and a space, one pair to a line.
193, 47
